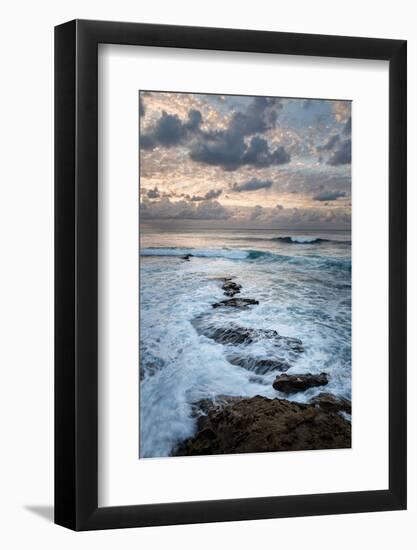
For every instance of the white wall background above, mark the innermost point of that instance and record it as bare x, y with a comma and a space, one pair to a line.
26, 299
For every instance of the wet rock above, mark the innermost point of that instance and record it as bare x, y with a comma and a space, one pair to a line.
260, 366
234, 334
231, 335
231, 288
330, 402
258, 424
202, 408
236, 302
293, 383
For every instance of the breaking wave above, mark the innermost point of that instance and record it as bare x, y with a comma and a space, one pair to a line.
306, 240
251, 255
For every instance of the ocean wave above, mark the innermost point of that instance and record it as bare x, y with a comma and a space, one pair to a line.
307, 240
250, 255
231, 254
312, 261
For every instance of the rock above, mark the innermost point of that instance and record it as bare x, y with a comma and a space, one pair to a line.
259, 424
231, 335
293, 383
260, 366
231, 288
234, 334
187, 257
236, 302
330, 402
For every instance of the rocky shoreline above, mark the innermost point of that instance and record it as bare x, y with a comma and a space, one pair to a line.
258, 424
229, 424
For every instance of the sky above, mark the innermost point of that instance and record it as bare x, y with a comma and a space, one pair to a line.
244, 162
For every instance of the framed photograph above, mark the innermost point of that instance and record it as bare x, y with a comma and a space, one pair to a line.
230, 275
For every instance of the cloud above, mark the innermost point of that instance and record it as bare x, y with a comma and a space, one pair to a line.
194, 120
260, 115
256, 212
252, 185
165, 209
299, 217
230, 152
307, 103
338, 147
347, 129
228, 148
170, 130
341, 110
330, 144
342, 155
259, 154
153, 193
211, 210
212, 194
329, 196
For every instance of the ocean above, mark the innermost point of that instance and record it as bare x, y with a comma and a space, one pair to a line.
302, 281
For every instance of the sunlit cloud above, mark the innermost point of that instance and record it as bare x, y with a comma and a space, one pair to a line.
245, 161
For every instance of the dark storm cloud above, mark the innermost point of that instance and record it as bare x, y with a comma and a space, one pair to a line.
153, 193
342, 155
229, 149
212, 194
259, 154
329, 196
252, 185
194, 120
231, 152
260, 115
169, 130
338, 147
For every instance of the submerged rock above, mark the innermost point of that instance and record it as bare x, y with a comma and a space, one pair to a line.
259, 424
330, 402
231, 335
235, 334
293, 383
260, 366
236, 302
231, 288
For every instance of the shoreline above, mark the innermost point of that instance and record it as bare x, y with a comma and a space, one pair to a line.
259, 424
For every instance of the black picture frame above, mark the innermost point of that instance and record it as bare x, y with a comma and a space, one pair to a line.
76, 272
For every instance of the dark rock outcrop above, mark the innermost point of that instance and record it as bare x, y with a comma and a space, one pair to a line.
260, 366
235, 334
236, 302
293, 383
330, 402
231, 335
258, 424
231, 288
